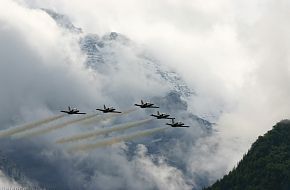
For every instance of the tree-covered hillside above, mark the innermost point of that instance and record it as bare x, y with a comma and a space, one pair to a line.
266, 166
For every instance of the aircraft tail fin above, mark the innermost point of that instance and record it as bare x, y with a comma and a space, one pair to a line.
104, 106
142, 102
69, 108
158, 113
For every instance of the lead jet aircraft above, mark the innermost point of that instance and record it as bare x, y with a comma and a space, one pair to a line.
72, 111
108, 110
162, 116
176, 124
146, 105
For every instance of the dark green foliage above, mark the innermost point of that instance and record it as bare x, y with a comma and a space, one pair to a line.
266, 166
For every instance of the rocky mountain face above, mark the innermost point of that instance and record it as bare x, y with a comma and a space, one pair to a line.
63, 21
102, 52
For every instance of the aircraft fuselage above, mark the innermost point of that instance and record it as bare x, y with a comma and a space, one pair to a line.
161, 116
108, 110
72, 111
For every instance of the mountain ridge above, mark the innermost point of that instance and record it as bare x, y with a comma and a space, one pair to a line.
265, 166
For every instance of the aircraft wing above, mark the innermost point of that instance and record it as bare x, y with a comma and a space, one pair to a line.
64, 111
183, 126
116, 112
79, 113
100, 110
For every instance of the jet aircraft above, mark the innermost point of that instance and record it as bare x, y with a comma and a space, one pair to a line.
146, 105
108, 110
72, 111
176, 124
162, 116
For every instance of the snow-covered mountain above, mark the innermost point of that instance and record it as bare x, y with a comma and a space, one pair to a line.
63, 21
101, 51
105, 56
102, 55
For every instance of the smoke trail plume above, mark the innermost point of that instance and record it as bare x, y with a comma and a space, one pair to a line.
97, 119
129, 111
102, 132
59, 126
28, 126
108, 142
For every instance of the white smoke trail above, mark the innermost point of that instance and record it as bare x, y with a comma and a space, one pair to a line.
119, 127
12, 131
108, 142
59, 126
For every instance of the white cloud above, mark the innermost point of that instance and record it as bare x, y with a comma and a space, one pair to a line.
39, 67
42, 71
163, 175
233, 54
7, 183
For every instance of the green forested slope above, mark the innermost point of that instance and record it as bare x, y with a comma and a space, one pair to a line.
266, 166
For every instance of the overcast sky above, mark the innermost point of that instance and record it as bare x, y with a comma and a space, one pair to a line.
233, 54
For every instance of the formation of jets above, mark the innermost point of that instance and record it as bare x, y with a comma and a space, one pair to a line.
142, 105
